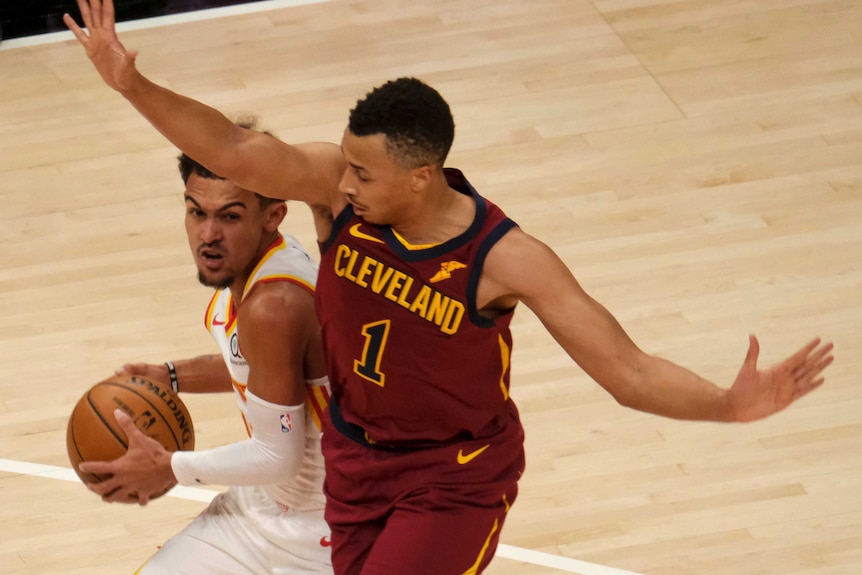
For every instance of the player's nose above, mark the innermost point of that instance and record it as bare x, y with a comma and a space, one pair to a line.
347, 185
210, 231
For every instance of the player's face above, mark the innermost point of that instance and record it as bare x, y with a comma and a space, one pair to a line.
378, 188
227, 230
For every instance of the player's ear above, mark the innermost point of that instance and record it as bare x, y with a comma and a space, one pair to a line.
420, 178
274, 215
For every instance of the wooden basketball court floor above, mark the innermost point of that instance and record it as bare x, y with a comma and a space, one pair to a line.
698, 164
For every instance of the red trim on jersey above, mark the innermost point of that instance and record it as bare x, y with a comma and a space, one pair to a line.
318, 402
281, 278
208, 314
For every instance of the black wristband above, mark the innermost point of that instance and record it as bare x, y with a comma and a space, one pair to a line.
172, 372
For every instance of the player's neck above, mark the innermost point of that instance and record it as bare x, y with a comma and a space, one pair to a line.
445, 214
237, 288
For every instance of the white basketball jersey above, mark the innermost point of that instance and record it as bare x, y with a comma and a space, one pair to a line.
285, 260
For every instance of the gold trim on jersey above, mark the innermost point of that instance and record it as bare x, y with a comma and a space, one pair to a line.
410, 246
276, 246
505, 356
475, 567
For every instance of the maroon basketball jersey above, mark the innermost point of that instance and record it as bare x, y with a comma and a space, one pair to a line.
410, 360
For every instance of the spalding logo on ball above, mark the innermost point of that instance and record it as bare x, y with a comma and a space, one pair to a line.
94, 435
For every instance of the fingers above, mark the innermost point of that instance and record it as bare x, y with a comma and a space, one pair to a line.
132, 369
103, 488
128, 425
143, 499
814, 364
112, 489
805, 389
812, 356
112, 493
108, 15
123, 419
806, 365
801, 356
96, 14
76, 30
108, 489
753, 351
104, 468
86, 16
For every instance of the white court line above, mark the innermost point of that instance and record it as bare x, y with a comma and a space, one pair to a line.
156, 21
66, 474
196, 494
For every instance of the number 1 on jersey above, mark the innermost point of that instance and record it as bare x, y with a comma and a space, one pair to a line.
376, 334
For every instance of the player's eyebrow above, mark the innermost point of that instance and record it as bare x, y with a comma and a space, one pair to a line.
220, 208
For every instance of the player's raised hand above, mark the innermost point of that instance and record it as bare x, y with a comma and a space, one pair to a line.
114, 63
758, 393
142, 474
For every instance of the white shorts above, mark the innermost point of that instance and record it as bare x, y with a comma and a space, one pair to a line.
243, 531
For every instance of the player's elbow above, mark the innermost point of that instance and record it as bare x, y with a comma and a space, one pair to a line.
235, 157
623, 395
289, 467
280, 465
627, 388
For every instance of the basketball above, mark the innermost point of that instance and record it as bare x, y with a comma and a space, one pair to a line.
94, 435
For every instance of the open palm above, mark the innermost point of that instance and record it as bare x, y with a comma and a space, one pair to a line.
758, 393
115, 64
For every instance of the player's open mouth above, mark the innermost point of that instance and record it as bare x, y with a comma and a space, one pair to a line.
210, 259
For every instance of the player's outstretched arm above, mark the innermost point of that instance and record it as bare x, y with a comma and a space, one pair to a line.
257, 162
597, 342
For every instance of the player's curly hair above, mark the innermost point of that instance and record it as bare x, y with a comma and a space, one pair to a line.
188, 166
413, 116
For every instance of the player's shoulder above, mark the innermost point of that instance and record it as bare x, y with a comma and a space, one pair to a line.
515, 252
274, 296
269, 303
286, 260
515, 243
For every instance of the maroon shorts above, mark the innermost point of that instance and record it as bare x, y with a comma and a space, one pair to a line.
434, 511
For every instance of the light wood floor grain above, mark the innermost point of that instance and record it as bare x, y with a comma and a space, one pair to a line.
698, 164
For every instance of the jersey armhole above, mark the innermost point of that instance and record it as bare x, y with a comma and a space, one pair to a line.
476, 271
337, 224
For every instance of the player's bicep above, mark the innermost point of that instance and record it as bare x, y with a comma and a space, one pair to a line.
306, 172
584, 328
274, 337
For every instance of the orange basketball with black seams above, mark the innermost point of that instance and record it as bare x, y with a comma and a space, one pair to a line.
93, 433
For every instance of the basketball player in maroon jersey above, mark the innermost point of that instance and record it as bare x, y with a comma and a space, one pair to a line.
418, 282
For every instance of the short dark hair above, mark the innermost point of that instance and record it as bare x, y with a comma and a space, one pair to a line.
414, 117
188, 166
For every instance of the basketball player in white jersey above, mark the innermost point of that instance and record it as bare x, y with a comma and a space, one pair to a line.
270, 521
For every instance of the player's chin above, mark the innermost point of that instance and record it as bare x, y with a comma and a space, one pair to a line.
214, 280
363, 211
372, 217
